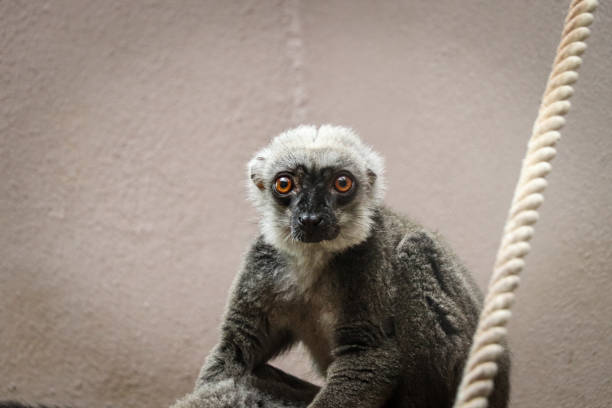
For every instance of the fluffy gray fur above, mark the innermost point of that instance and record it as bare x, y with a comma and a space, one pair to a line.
384, 307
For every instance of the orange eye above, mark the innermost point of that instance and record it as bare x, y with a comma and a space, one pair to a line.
283, 185
343, 183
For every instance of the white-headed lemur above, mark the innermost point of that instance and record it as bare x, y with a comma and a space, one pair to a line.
384, 307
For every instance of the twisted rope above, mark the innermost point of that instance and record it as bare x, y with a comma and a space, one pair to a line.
481, 367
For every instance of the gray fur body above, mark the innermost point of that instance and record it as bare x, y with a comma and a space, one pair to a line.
387, 314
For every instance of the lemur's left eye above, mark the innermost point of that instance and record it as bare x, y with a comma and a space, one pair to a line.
343, 183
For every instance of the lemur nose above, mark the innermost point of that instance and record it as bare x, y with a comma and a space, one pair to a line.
309, 220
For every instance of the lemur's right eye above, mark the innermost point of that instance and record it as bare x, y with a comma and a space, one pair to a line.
283, 185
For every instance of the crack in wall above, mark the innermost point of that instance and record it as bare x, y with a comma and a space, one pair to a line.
295, 53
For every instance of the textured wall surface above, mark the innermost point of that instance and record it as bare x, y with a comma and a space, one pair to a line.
125, 128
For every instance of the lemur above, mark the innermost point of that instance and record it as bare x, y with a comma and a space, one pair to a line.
384, 307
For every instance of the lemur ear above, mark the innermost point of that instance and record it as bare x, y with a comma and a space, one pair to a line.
371, 177
255, 170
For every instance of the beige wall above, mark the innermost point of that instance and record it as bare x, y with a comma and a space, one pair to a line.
125, 128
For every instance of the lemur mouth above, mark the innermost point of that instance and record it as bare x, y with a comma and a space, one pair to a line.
317, 235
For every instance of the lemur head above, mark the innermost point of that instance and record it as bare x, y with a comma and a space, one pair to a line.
316, 188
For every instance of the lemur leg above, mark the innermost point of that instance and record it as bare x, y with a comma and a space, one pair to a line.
265, 387
282, 385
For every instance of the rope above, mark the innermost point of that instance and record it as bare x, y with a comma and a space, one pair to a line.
491, 333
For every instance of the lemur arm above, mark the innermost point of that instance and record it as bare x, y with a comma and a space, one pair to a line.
248, 337
365, 369
246, 343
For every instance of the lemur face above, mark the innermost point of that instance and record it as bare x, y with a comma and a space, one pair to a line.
314, 198
316, 188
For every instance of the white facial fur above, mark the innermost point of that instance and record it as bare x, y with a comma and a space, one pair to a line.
314, 147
